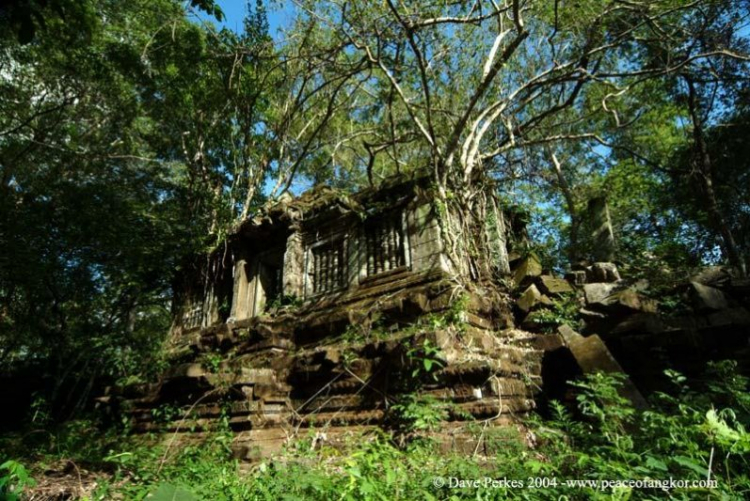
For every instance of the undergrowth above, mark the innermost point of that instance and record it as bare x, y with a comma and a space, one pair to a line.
694, 432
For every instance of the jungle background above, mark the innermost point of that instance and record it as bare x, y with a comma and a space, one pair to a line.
134, 135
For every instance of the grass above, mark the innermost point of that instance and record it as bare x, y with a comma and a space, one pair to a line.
693, 433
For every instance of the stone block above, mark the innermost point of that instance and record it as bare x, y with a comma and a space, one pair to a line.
602, 273
333, 355
187, 370
258, 376
419, 301
442, 302
591, 315
629, 299
615, 298
479, 304
529, 268
531, 298
477, 321
546, 342
651, 323
707, 298
554, 286
535, 320
713, 276
576, 277
484, 339
596, 293
592, 355
442, 338
567, 333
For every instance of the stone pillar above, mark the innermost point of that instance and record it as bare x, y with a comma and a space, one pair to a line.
425, 243
210, 308
241, 305
497, 236
293, 274
356, 256
602, 236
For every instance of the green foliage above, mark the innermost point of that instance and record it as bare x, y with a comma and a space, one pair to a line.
14, 478
670, 302
26, 18
169, 492
455, 315
424, 360
728, 152
601, 402
564, 311
89, 220
212, 361
694, 431
289, 301
418, 413
611, 441
166, 413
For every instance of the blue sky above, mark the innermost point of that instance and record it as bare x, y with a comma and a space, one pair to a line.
279, 14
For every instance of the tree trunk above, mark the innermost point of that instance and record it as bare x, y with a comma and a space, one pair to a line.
573, 249
602, 234
704, 177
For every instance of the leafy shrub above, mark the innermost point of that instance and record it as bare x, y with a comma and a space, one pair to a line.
564, 310
418, 413
424, 360
695, 431
13, 480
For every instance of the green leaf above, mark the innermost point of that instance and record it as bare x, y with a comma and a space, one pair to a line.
169, 492
656, 464
691, 465
720, 428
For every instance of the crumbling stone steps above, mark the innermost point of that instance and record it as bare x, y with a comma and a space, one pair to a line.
255, 444
338, 418
476, 371
489, 408
278, 345
310, 368
495, 386
350, 402
431, 282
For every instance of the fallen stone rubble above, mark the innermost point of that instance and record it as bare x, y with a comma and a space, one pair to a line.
631, 326
340, 368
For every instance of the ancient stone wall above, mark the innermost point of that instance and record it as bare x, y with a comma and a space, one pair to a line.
340, 365
336, 302
322, 243
331, 340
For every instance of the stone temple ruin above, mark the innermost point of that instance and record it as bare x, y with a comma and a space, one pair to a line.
319, 312
322, 249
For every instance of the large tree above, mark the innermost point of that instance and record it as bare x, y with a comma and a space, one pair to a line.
127, 149
93, 218
467, 90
